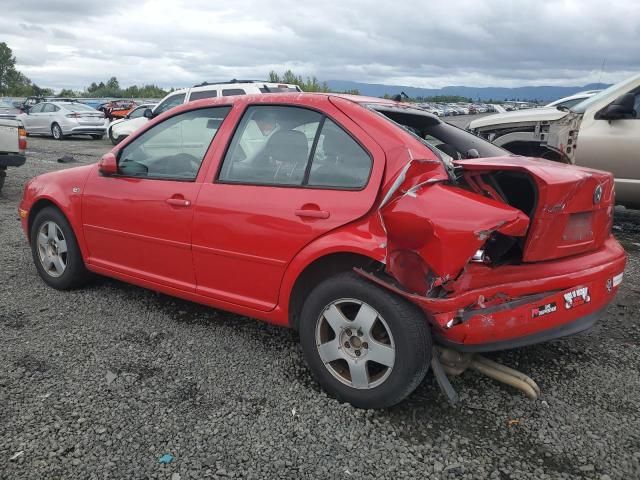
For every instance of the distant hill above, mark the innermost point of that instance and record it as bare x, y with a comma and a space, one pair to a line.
542, 93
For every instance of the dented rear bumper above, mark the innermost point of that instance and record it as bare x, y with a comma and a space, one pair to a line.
516, 305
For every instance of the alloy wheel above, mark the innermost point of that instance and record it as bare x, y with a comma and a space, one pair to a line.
355, 343
52, 249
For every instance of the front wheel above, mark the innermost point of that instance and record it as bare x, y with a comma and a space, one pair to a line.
364, 345
56, 132
55, 251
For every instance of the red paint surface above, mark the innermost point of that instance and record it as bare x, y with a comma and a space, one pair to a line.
242, 247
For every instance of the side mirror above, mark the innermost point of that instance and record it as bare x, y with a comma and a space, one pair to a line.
108, 165
620, 108
148, 113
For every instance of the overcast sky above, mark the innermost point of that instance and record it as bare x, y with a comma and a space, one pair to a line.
431, 43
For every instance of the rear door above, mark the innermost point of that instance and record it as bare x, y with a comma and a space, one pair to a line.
138, 222
314, 171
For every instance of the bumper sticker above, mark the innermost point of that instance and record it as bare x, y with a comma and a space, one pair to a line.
576, 297
617, 280
545, 309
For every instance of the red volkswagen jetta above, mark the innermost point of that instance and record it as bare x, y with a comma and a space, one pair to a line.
370, 226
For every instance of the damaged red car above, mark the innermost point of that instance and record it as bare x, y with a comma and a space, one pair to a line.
372, 227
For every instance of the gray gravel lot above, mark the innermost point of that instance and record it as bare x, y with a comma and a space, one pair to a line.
102, 382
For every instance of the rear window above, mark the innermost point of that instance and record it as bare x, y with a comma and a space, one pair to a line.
447, 140
229, 92
203, 94
78, 107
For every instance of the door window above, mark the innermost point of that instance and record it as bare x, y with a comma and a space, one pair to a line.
203, 94
173, 149
48, 108
37, 108
138, 112
271, 146
169, 103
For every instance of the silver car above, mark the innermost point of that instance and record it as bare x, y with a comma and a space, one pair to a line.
8, 111
61, 119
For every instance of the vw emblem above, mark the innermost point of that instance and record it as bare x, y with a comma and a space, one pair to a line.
597, 194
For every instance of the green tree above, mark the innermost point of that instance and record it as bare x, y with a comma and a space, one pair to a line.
8, 70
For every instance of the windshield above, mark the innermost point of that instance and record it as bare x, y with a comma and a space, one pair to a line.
582, 106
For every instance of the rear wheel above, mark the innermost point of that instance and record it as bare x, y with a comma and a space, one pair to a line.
3, 175
55, 251
364, 345
97, 137
56, 132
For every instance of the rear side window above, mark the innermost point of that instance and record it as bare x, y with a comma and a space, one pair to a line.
229, 92
339, 161
203, 94
49, 108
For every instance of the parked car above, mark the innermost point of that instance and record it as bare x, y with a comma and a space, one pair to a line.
62, 119
571, 100
115, 109
602, 131
13, 144
29, 102
372, 227
137, 112
198, 92
8, 111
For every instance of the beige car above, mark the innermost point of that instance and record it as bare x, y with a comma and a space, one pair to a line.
600, 132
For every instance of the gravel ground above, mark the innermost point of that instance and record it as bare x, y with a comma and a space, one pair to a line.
102, 382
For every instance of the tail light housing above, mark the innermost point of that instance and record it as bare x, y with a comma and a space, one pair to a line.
73, 115
22, 140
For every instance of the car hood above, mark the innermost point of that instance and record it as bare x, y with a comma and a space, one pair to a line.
519, 116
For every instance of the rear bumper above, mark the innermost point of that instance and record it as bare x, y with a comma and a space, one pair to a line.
85, 130
513, 306
12, 160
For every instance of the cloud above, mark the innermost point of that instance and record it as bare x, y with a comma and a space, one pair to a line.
430, 44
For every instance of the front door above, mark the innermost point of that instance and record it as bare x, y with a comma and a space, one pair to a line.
139, 222
613, 146
289, 175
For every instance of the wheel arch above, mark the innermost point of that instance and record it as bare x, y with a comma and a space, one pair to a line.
69, 214
317, 271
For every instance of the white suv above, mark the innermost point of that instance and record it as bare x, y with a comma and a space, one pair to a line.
198, 92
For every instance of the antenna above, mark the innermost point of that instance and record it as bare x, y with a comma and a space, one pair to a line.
604, 62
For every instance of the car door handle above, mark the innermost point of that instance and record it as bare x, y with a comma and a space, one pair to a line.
178, 202
308, 213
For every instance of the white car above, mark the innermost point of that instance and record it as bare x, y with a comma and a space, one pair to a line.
62, 119
572, 100
137, 112
600, 132
204, 90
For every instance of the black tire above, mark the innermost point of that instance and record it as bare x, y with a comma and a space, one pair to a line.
114, 141
56, 132
3, 175
409, 331
75, 273
97, 137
